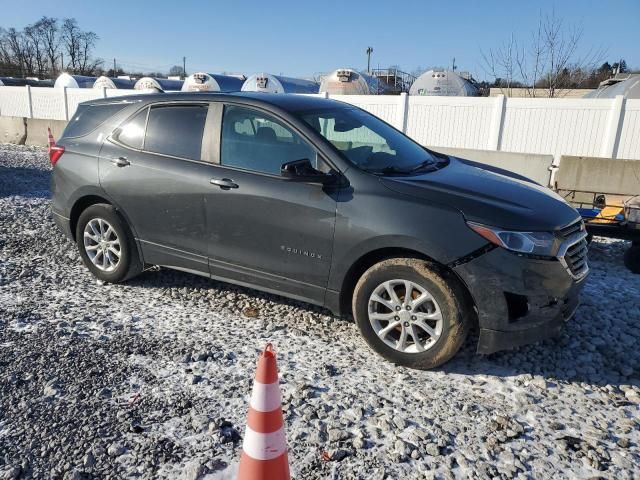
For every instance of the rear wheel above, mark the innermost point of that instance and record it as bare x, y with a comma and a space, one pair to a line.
106, 245
410, 314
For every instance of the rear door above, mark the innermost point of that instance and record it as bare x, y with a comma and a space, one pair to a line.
264, 230
154, 168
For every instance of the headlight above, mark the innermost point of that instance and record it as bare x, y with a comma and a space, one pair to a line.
534, 243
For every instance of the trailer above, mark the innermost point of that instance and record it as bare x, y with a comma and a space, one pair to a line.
606, 193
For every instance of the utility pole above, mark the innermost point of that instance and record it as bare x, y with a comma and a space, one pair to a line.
184, 67
369, 52
114, 68
453, 66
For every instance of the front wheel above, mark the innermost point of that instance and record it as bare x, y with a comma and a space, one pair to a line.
106, 245
410, 314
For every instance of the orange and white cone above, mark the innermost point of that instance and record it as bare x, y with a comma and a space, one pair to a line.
264, 450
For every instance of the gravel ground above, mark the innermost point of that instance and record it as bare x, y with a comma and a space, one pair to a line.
151, 379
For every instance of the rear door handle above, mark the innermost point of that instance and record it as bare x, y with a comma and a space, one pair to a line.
224, 183
120, 162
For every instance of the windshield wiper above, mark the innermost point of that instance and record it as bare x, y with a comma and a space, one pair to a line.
390, 170
427, 166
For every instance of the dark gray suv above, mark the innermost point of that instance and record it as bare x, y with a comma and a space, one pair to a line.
320, 201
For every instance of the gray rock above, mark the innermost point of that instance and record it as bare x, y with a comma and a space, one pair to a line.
116, 449
623, 443
358, 443
12, 473
192, 470
89, 461
399, 422
432, 449
337, 435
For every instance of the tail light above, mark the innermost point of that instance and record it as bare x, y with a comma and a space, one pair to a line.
55, 151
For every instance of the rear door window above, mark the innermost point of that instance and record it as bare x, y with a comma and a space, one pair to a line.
176, 130
89, 117
131, 133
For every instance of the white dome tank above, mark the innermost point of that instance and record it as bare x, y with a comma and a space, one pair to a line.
267, 83
629, 88
74, 81
212, 82
158, 84
106, 82
443, 83
347, 81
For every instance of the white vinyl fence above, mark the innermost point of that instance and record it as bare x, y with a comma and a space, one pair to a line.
557, 126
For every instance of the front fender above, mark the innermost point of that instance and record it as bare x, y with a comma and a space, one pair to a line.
384, 220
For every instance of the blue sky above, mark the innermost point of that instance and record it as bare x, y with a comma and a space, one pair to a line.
300, 38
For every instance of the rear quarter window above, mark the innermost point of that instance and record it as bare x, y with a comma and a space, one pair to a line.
89, 117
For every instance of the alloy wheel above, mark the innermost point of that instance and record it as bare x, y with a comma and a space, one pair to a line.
102, 245
405, 316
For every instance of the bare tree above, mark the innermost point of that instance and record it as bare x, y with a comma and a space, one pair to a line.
18, 51
176, 70
78, 46
51, 42
501, 64
86, 64
549, 63
70, 35
34, 37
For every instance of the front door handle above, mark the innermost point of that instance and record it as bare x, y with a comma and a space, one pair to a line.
224, 183
120, 162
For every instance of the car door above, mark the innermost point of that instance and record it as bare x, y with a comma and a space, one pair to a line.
264, 230
154, 169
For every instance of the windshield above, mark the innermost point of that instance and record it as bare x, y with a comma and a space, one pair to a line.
369, 143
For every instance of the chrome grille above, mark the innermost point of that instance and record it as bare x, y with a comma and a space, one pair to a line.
575, 227
573, 250
576, 258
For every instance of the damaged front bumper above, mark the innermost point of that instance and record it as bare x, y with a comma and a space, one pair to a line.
520, 300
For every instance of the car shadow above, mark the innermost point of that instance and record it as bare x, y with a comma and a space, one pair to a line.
566, 358
26, 182
167, 278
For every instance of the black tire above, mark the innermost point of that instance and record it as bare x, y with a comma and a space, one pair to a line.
632, 258
456, 314
129, 264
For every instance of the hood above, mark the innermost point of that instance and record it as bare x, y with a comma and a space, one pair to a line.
489, 195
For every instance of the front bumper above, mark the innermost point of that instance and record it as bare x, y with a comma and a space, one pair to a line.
520, 300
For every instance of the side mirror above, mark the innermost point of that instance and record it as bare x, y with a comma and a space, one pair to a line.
303, 171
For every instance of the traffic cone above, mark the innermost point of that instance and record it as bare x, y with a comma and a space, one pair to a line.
50, 140
264, 449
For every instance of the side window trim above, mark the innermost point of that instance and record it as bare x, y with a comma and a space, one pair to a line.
212, 135
146, 123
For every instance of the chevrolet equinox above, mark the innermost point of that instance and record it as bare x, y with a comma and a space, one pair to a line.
323, 202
